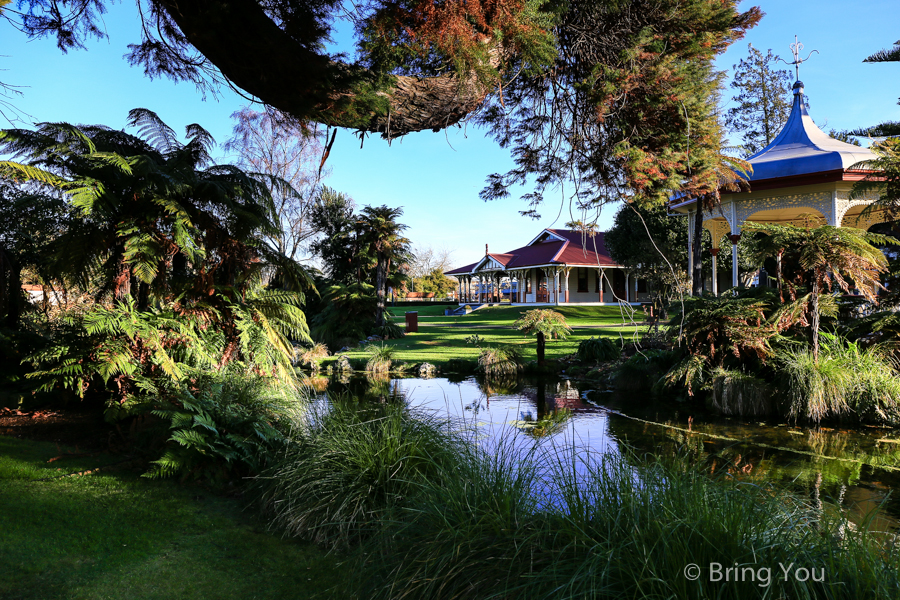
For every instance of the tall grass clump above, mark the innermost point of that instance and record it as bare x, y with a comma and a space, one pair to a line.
598, 349
350, 465
312, 357
612, 526
845, 382
500, 360
380, 358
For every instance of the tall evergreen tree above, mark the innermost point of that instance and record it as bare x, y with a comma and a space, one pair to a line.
763, 100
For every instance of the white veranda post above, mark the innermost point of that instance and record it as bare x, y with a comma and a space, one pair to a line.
734, 259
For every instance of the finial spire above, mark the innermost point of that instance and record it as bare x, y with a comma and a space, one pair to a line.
796, 47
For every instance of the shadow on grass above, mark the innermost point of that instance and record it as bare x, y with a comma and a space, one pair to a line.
114, 535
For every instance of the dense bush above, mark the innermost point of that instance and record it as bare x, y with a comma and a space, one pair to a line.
598, 349
642, 371
224, 425
733, 392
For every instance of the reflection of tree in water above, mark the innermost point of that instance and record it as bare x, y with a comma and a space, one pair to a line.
499, 385
548, 418
814, 472
374, 387
316, 383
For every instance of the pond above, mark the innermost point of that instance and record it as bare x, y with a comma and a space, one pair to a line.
854, 469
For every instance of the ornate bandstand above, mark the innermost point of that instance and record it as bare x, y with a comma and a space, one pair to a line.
803, 177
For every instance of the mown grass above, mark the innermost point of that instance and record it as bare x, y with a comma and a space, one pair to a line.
441, 339
112, 535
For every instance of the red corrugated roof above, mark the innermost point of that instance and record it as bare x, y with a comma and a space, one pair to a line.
462, 270
578, 250
503, 259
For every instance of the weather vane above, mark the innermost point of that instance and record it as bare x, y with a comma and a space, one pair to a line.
796, 47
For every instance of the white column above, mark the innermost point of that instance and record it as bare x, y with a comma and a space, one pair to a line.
734, 260
555, 287
627, 288
715, 272
690, 245
566, 286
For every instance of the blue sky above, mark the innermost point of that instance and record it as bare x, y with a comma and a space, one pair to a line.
436, 177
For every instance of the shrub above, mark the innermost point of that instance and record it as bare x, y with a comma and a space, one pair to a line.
501, 360
643, 370
312, 357
224, 425
389, 331
379, 358
598, 349
474, 339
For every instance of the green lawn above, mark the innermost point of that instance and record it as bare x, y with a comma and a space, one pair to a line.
113, 535
441, 339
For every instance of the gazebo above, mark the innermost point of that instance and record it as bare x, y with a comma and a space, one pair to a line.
802, 177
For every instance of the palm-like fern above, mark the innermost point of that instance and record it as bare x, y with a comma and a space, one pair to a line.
176, 242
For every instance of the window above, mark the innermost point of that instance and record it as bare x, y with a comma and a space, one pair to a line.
582, 280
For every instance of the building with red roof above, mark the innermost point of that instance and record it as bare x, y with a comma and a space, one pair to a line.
559, 266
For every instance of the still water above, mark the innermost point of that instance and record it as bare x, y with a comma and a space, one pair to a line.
857, 469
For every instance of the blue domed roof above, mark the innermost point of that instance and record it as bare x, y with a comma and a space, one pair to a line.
803, 149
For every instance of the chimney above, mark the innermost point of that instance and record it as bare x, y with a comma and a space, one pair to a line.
485, 249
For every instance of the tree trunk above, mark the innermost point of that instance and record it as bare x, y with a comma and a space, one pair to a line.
778, 273
143, 299
541, 342
697, 275
380, 279
14, 290
253, 53
814, 320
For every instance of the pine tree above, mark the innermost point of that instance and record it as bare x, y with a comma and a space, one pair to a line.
763, 100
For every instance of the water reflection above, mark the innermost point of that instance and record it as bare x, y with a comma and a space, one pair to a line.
854, 470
